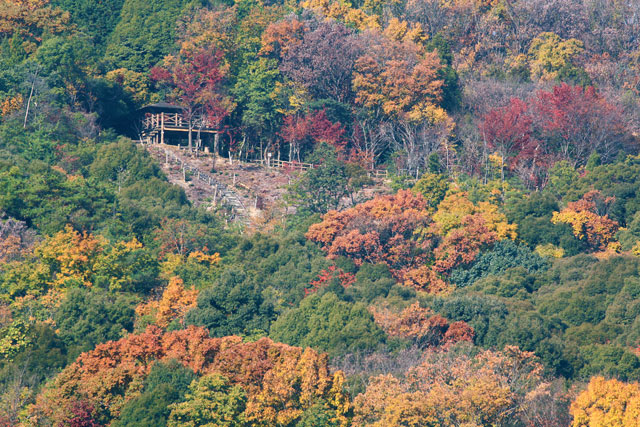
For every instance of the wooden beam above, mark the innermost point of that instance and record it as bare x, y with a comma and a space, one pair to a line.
174, 129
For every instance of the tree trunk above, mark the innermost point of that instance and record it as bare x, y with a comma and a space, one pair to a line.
198, 140
190, 135
26, 113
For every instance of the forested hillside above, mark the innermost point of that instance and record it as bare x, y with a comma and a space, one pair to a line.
463, 248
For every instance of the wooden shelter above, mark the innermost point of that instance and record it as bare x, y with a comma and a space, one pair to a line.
163, 122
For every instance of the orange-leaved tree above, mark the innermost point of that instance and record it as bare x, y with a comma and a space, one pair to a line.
280, 36
462, 245
421, 325
381, 230
400, 80
398, 230
589, 221
280, 381
176, 300
30, 20
466, 228
398, 88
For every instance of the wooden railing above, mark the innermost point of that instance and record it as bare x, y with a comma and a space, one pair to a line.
301, 166
284, 164
378, 173
175, 121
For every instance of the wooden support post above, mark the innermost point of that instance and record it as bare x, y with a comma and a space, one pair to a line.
162, 128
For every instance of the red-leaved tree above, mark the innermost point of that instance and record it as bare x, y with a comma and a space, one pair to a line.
576, 122
194, 78
567, 123
301, 132
509, 131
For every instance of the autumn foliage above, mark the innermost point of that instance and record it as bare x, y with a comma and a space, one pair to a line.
377, 231
15, 238
301, 132
72, 256
471, 167
456, 208
509, 131
453, 389
421, 325
462, 245
326, 276
174, 303
193, 78
610, 403
404, 85
31, 20
280, 36
577, 122
280, 381
586, 222
566, 123
420, 249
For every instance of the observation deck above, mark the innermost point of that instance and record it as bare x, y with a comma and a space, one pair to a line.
162, 121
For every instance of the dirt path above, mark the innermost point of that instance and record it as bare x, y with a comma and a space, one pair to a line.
258, 188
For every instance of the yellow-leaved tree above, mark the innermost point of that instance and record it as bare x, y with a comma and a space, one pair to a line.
176, 300
343, 11
71, 255
453, 388
456, 207
607, 403
549, 55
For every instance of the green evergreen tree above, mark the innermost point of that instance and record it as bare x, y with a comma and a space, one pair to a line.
144, 34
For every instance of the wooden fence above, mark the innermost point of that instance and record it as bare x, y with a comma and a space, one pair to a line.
301, 166
378, 174
284, 164
222, 193
291, 166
